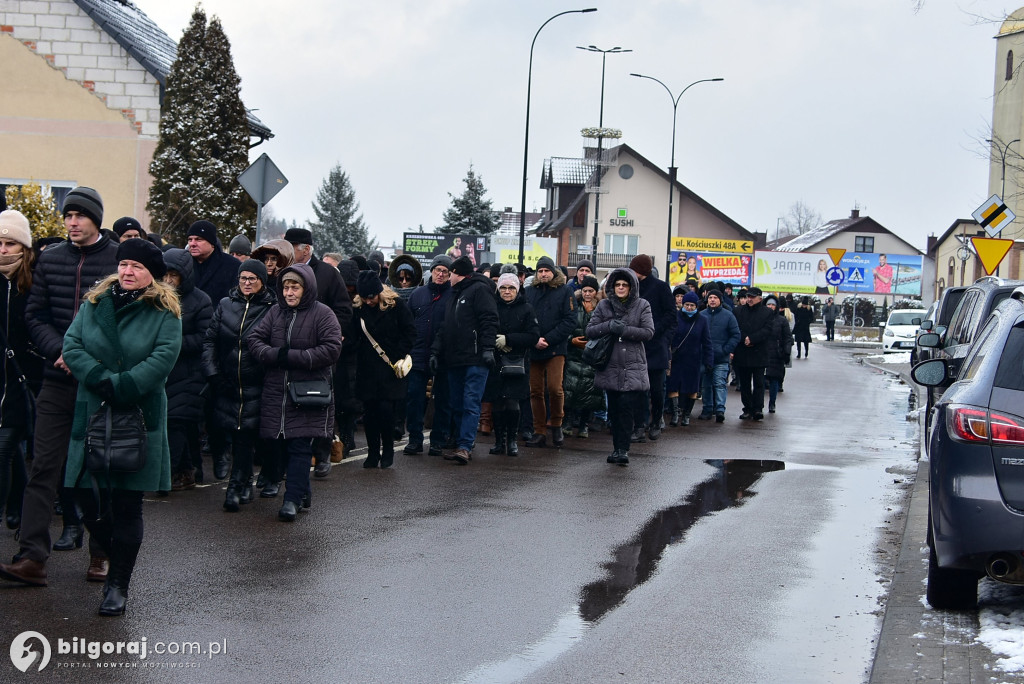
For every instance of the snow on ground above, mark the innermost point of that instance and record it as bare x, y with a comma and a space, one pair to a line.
894, 357
1001, 623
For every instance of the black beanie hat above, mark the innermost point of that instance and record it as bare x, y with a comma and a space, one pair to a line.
126, 223
642, 265
256, 267
590, 281
86, 201
205, 230
368, 284
717, 293
146, 253
462, 266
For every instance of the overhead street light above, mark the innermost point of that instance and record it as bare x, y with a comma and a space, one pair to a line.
526, 142
672, 165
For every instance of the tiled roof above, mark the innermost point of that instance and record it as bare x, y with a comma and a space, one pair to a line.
146, 42
812, 237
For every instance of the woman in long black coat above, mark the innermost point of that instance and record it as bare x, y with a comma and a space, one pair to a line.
691, 351
389, 321
237, 381
803, 315
518, 332
780, 346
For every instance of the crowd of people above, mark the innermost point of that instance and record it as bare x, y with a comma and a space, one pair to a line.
266, 360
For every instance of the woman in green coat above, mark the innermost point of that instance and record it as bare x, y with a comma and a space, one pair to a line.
121, 347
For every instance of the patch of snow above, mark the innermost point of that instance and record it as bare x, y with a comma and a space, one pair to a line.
895, 357
1001, 623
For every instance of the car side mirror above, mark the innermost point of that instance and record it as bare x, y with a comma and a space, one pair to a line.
930, 373
915, 321
929, 340
927, 325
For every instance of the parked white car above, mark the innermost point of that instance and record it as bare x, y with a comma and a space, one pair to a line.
901, 329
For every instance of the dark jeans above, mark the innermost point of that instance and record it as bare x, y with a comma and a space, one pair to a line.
622, 406
379, 426
55, 411
751, 381
300, 453
416, 407
830, 330
183, 440
244, 446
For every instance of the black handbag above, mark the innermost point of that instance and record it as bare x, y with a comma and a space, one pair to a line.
598, 352
311, 394
115, 440
512, 365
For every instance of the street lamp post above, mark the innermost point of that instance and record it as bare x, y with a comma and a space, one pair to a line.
526, 143
600, 141
1002, 174
672, 165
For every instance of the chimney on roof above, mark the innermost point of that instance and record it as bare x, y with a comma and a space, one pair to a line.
855, 213
508, 210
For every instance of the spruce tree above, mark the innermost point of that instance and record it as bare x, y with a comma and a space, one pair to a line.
339, 226
470, 213
204, 140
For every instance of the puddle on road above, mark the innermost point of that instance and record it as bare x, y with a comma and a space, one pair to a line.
635, 561
633, 564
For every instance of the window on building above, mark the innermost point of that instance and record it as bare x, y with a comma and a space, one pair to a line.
621, 244
952, 271
862, 243
1009, 65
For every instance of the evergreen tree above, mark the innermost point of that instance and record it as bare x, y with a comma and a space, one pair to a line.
470, 213
204, 140
339, 226
38, 207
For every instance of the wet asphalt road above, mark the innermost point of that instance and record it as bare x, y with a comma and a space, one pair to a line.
735, 552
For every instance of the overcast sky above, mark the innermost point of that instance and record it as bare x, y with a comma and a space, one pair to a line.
839, 104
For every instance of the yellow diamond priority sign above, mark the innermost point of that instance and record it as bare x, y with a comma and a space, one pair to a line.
993, 215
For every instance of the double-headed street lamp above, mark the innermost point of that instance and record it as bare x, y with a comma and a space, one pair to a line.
672, 165
600, 140
526, 143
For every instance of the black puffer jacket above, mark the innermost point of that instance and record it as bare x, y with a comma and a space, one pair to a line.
394, 331
663, 310
780, 346
13, 409
518, 323
64, 273
235, 377
312, 335
470, 323
581, 395
331, 290
187, 380
555, 307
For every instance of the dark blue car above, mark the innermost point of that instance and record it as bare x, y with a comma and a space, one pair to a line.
976, 448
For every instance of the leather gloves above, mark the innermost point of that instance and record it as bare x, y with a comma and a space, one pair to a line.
617, 327
433, 364
104, 389
488, 355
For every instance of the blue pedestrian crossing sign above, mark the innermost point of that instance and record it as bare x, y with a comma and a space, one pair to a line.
835, 276
855, 275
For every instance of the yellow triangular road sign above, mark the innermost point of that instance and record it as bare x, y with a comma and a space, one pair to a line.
835, 254
991, 251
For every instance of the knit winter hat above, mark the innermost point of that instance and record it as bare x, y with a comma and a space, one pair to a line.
126, 223
144, 252
441, 260
204, 230
256, 267
299, 236
240, 244
771, 299
546, 262
642, 265
368, 284
590, 281
587, 263
691, 297
496, 269
506, 279
462, 266
86, 201
716, 293
14, 226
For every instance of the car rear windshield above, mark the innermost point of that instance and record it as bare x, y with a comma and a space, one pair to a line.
905, 318
1010, 373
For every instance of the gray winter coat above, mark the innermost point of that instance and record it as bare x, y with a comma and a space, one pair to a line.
312, 335
627, 369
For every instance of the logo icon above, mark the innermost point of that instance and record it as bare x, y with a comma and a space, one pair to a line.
24, 651
623, 213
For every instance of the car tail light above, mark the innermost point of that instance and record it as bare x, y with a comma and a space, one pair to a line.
978, 425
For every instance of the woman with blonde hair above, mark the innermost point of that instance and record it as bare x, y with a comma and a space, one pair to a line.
20, 371
121, 347
384, 327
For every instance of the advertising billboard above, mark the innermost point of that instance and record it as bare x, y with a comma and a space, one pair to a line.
506, 249
731, 268
806, 273
425, 246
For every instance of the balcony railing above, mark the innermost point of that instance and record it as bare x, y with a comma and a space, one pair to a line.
603, 261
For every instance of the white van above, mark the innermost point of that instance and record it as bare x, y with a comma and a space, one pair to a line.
901, 329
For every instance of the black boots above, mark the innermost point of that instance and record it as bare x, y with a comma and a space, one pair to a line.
673, 407
232, 500
70, 538
498, 421
688, 403
115, 591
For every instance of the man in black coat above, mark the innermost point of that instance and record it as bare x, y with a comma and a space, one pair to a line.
464, 346
555, 306
64, 273
750, 358
330, 290
216, 271
663, 310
